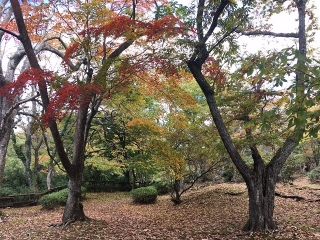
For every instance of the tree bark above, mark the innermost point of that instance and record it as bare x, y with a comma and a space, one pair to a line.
261, 204
4, 140
74, 208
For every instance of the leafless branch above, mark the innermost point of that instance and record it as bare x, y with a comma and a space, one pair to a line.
267, 33
60, 54
13, 107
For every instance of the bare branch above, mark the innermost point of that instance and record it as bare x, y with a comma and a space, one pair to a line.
61, 55
199, 20
214, 23
13, 107
267, 33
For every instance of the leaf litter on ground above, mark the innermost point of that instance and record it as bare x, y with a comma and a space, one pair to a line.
216, 211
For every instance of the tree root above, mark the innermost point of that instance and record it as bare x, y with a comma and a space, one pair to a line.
67, 222
298, 198
63, 224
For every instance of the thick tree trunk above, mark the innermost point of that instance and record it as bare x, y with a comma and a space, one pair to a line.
74, 208
261, 206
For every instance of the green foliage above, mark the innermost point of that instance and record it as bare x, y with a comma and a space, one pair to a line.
14, 176
104, 180
314, 175
291, 167
6, 191
162, 187
144, 195
228, 174
56, 199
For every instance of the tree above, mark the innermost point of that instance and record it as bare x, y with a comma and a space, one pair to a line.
12, 100
7, 106
85, 97
218, 20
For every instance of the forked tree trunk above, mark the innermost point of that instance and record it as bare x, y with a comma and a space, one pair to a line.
261, 180
261, 206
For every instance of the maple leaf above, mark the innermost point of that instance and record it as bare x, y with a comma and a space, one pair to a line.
29, 77
69, 97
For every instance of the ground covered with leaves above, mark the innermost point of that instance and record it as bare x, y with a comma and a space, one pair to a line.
215, 211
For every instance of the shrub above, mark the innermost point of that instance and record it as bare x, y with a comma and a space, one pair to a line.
104, 180
314, 174
162, 187
228, 175
53, 200
6, 191
144, 195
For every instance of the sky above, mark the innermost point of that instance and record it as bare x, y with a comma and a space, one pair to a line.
284, 23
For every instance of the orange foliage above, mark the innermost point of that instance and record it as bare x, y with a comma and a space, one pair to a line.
212, 70
71, 50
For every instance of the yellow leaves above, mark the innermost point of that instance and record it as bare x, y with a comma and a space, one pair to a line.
169, 159
142, 124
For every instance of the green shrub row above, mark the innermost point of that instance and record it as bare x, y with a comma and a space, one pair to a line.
56, 199
144, 195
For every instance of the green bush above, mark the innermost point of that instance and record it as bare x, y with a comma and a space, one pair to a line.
228, 175
314, 174
162, 187
55, 199
6, 191
144, 195
104, 180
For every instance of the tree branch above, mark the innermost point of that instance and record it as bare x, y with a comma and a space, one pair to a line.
199, 19
267, 33
214, 23
298, 198
61, 55
223, 38
8, 113
11, 33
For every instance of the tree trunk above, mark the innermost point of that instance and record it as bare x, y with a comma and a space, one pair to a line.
4, 140
261, 205
28, 157
74, 208
176, 194
49, 175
